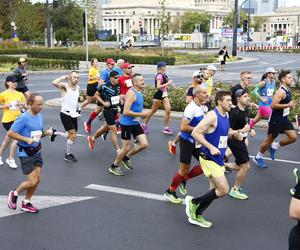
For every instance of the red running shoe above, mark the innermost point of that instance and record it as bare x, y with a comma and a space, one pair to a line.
87, 127
91, 142
172, 148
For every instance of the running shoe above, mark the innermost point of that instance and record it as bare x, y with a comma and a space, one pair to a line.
87, 127
296, 173
272, 152
29, 208
172, 148
172, 197
11, 163
168, 131
238, 194
70, 158
104, 135
182, 188
199, 220
190, 207
127, 164
52, 137
116, 171
145, 128
12, 200
260, 163
91, 142
1, 161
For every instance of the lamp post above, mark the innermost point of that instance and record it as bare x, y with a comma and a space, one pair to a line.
48, 25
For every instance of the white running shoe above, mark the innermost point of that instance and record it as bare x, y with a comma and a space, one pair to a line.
11, 163
1, 162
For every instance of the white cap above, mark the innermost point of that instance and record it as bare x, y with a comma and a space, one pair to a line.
211, 67
197, 73
270, 70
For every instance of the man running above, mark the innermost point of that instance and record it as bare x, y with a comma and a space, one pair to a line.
108, 95
28, 130
69, 110
133, 110
239, 119
279, 122
22, 77
264, 91
193, 114
125, 81
246, 78
212, 133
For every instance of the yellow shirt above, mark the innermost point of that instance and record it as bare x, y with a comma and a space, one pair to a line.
6, 97
93, 72
209, 82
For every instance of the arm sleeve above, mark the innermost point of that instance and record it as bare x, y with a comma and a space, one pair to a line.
255, 91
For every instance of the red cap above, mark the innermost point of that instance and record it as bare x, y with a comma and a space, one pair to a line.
127, 65
110, 61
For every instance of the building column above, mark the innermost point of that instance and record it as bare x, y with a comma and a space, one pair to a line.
124, 24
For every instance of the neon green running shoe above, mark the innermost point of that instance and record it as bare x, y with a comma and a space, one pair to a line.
127, 164
172, 197
182, 188
199, 220
116, 171
190, 207
238, 194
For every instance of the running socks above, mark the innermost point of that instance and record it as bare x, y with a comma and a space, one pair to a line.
204, 201
92, 117
177, 179
195, 171
69, 146
275, 145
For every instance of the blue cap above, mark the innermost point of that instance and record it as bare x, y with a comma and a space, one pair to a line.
11, 78
161, 64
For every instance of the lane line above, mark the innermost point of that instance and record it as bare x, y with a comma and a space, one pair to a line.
279, 160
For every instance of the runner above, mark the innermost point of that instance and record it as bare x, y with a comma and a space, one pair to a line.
193, 114
239, 119
28, 130
133, 110
125, 81
119, 67
212, 133
69, 110
264, 91
211, 72
22, 77
12, 102
279, 122
294, 213
104, 78
160, 97
246, 77
108, 95
92, 85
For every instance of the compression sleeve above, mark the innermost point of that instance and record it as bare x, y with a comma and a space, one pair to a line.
255, 92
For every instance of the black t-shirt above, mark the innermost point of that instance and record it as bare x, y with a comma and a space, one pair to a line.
190, 91
107, 91
233, 90
238, 118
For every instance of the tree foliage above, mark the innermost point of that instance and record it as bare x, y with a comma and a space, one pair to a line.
189, 19
257, 23
229, 19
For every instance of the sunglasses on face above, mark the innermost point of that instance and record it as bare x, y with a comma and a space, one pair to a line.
198, 77
116, 77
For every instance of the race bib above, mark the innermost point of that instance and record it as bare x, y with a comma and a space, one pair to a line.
136, 119
36, 135
75, 114
270, 92
286, 112
128, 83
115, 100
14, 105
223, 142
165, 93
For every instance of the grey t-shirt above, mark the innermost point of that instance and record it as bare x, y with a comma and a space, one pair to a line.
21, 81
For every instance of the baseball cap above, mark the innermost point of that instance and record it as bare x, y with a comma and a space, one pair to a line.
22, 59
127, 65
110, 61
270, 70
241, 92
11, 78
113, 73
197, 73
161, 64
211, 67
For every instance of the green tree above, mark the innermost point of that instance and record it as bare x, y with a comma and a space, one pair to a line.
229, 19
258, 21
164, 19
176, 25
190, 18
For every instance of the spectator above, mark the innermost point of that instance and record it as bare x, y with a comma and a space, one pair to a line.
223, 54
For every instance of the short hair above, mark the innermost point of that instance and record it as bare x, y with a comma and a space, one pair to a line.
135, 77
283, 73
120, 61
93, 60
197, 89
32, 97
220, 95
245, 72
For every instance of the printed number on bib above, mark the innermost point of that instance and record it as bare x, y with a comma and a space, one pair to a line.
270, 92
136, 119
165, 94
128, 83
223, 142
36, 135
115, 100
286, 111
14, 105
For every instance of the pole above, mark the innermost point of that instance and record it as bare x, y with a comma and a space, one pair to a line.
86, 39
248, 29
235, 24
48, 24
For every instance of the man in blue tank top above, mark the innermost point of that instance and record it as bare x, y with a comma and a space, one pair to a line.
212, 133
279, 122
130, 125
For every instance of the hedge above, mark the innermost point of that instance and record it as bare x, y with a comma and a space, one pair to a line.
38, 63
66, 54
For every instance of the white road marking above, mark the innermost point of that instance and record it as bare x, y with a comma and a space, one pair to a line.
128, 192
40, 202
279, 160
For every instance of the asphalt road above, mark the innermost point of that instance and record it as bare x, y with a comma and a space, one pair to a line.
124, 220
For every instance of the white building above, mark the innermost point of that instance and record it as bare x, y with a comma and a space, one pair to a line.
125, 17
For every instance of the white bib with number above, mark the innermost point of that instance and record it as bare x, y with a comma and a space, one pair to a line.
36, 135
270, 92
128, 83
115, 100
165, 93
14, 105
286, 111
136, 119
75, 115
223, 142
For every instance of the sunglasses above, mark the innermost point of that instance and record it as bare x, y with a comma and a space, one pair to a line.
199, 77
116, 77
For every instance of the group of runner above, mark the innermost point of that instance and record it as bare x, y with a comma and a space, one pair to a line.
210, 135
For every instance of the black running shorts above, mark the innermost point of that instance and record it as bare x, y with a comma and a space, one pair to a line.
7, 125
276, 128
110, 116
187, 150
158, 95
23, 90
128, 130
91, 89
68, 122
239, 151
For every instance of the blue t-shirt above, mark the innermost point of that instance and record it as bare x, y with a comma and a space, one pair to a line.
105, 75
28, 125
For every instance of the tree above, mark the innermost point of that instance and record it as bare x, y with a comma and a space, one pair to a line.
257, 23
229, 19
176, 25
164, 19
190, 19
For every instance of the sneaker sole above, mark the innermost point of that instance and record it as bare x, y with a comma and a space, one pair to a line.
237, 197
69, 160
198, 223
168, 133
114, 173
28, 211
187, 206
171, 200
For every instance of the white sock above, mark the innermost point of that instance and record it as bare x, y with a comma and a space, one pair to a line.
26, 201
16, 193
275, 145
259, 155
69, 146
63, 134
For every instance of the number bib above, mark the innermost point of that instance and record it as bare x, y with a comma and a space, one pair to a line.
223, 142
115, 100
14, 105
128, 83
286, 112
136, 119
36, 135
165, 93
270, 92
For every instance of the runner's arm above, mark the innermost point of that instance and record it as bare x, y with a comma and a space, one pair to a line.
279, 95
58, 83
185, 125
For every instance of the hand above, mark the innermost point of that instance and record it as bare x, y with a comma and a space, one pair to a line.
252, 133
49, 131
170, 82
253, 105
238, 136
246, 128
215, 151
107, 104
292, 104
29, 141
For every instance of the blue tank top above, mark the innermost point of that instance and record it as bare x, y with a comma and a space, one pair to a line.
218, 138
281, 115
267, 92
136, 106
